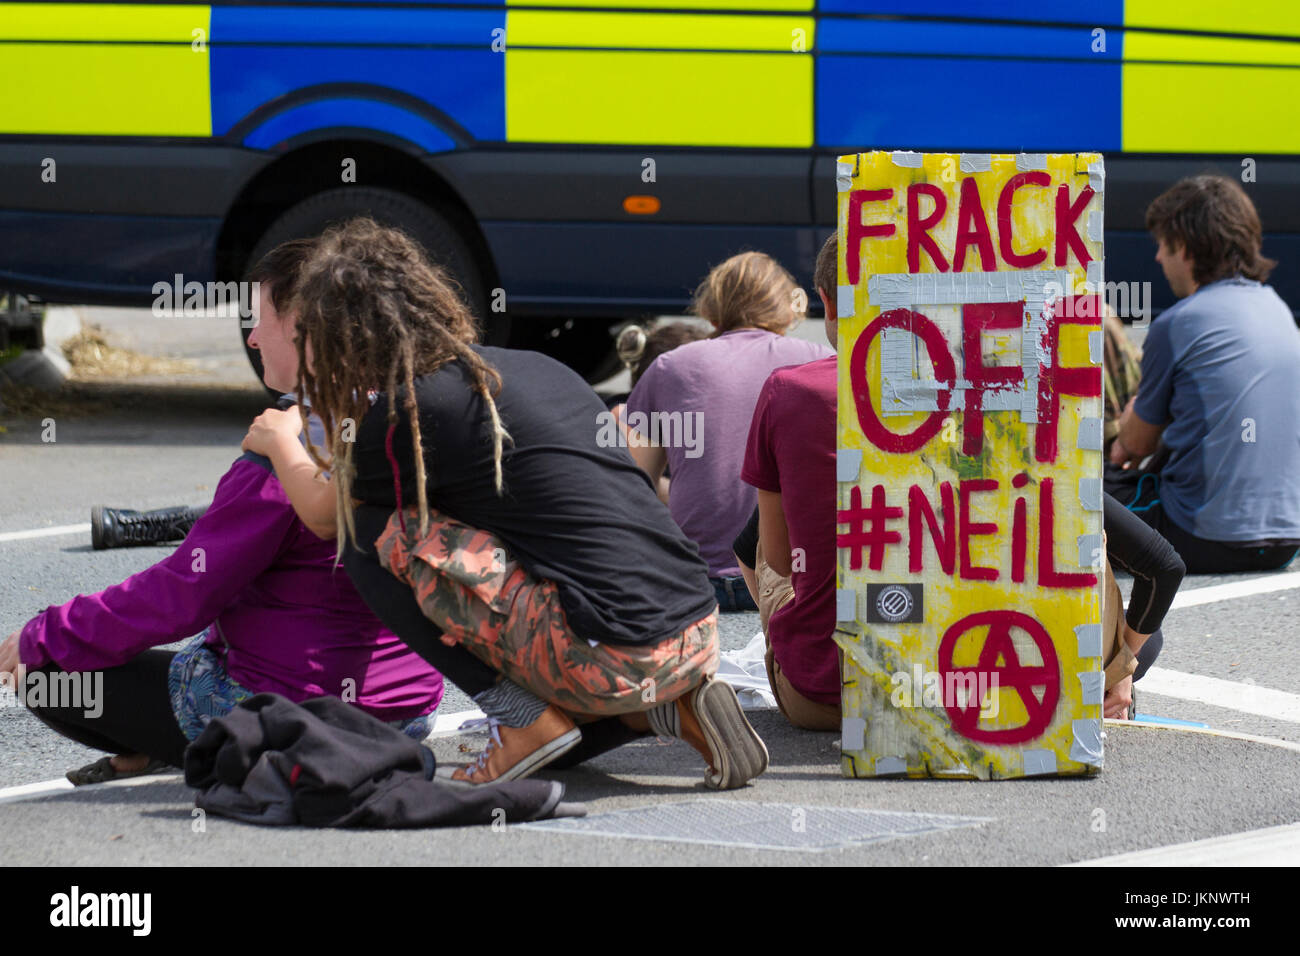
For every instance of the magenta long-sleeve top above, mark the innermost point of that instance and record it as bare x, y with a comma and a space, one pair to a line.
268, 593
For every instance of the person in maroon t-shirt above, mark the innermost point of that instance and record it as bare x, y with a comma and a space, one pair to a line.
789, 564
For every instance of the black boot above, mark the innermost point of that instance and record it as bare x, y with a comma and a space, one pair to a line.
121, 527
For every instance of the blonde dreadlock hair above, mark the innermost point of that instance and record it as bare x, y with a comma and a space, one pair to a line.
374, 311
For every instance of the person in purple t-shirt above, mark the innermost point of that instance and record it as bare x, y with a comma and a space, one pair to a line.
276, 615
692, 408
787, 553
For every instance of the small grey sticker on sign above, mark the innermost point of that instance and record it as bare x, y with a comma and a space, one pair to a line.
895, 603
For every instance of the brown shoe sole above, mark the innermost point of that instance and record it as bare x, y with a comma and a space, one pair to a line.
739, 754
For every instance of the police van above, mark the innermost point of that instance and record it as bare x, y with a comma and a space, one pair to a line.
579, 162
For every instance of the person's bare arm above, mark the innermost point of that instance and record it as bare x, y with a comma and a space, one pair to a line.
751, 579
1136, 438
11, 665
773, 532
651, 459
312, 495
275, 434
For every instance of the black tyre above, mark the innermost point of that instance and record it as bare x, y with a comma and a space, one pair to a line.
441, 240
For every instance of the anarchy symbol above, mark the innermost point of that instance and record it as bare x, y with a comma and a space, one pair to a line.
999, 657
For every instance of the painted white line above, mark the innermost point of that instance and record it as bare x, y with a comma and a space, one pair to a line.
29, 791
1234, 695
444, 725
45, 532
46, 788
1207, 731
1273, 846
1235, 589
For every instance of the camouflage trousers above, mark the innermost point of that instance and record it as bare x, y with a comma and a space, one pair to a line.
483, 599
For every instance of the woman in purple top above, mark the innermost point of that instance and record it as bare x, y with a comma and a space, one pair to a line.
276, 616
693, 406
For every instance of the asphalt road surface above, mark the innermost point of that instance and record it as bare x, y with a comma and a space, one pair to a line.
1229, 662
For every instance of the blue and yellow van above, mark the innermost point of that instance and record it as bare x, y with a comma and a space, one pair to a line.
580, 160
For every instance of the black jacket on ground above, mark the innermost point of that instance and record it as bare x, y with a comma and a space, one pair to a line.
325, 763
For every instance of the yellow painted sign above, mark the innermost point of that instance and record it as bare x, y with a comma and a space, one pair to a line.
969, 463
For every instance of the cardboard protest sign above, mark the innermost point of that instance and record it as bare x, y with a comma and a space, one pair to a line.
969, 463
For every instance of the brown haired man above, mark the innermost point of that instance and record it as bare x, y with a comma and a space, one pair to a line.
1218, 390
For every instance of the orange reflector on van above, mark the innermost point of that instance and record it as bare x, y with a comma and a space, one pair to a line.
641, 205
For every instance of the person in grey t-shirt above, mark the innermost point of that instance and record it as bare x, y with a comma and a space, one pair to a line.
1220, 371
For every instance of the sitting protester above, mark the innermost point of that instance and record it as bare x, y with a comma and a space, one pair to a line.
279, 617
638, 349
790, 461
1218, 392
695, 404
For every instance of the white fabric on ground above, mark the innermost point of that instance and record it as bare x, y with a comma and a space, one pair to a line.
745, 671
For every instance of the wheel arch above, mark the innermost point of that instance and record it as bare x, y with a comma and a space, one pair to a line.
312, 165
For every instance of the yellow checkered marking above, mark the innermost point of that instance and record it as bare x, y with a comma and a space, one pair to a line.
657, 31
702, 82
688, 99
1278, 17
104, 22
1206, 94
765, 6
152, 82
1209, 109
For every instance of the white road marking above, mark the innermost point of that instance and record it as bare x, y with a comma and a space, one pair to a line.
1234, 695
45, 532
1207, 731
1236, 589
46, 788
1272, 846
444, 725
29, 791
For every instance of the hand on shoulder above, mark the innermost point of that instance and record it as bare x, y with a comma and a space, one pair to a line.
271, 429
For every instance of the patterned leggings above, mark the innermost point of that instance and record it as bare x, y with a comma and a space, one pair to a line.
482, 599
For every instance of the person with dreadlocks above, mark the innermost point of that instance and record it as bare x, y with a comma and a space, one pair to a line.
483, 520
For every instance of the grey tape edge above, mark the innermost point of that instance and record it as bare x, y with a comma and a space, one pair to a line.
1038, 762
1092, 686
888, 765
1086, 746
853, 734
846, 603
844, 301
848, 464
1087, 639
